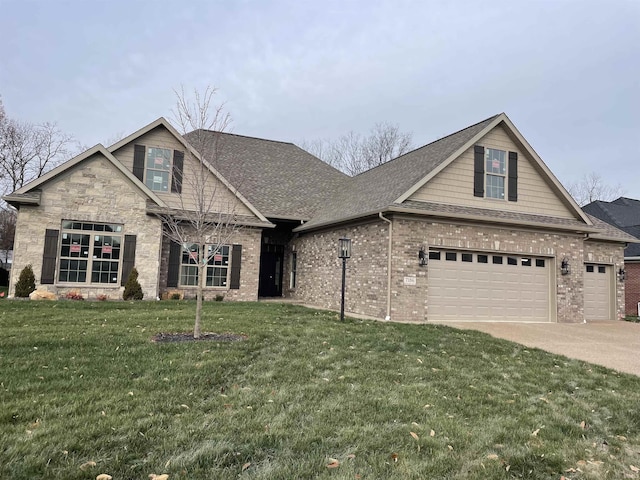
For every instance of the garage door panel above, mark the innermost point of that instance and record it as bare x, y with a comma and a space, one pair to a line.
597, 292
490, 291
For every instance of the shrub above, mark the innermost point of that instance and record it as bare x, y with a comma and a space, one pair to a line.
26, 282
73, 295
219, 298
132, 289
102, 297
175, 296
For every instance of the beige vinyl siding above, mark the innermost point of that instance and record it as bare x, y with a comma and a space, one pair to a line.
454, 185
224, 201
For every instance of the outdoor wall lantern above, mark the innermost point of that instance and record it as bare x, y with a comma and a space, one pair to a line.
344, 252
622, 274
422, 257
565, 268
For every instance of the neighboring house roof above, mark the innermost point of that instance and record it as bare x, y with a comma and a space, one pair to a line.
29, 193
279, 178
392, 183
623, 213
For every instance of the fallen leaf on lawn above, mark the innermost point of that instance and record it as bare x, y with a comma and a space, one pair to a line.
583, 424
104, 476
333, 463
622, 438
414, 435
432, 433
634, 468
185, 406
535, 432
415, 424
394, 457
153, 476
544, 399
449, 447
130, 393
427, 406
492, 456
351, 456
88, 465
245, 466
166, 465
419, 361
507, 468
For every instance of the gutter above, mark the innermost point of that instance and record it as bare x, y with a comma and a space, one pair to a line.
389, 248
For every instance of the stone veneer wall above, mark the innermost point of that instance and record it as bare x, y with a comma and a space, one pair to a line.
249, 238
319, 270
610, 254
632, 288
94, 192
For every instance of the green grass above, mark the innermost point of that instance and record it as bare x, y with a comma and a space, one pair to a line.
81, 382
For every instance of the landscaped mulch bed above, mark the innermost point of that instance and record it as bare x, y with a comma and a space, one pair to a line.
188, 337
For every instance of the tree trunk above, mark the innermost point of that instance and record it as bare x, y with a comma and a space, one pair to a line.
202, 278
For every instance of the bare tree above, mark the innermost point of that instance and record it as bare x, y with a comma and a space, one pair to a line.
27, 150
591, 187
353, 153
205, 221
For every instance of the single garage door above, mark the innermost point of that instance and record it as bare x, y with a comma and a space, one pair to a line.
488, 287
597, 292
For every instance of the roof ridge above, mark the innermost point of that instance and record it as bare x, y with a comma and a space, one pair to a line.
238, 135
431, 143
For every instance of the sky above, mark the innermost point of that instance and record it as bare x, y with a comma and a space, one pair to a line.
567, 73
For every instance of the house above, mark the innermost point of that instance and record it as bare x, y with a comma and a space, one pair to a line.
473, 226
624, 213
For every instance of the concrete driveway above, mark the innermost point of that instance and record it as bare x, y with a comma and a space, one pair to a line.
613, 344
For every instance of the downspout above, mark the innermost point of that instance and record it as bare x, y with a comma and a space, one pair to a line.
382, 217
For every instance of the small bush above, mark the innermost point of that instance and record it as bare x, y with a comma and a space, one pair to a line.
132, 289
102, 297
73, 295
175, 296
219, 298
26, 282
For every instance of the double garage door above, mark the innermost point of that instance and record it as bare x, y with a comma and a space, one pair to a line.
488, 287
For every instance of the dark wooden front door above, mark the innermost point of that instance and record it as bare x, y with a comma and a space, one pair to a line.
271, 260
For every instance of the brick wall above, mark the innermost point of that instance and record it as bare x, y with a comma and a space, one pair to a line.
632, 288
319, 269
319, 272
249, 238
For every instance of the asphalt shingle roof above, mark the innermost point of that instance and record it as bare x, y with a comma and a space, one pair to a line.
623, 213
278, 178
379, 187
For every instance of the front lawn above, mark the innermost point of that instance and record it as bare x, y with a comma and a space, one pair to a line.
84, 391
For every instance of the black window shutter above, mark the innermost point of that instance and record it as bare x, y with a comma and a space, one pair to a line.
236, 260
49, 256
176, 178
513, 176
138, 161
175, 254
478, 171
128, 257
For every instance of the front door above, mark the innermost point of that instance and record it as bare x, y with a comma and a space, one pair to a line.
271, 271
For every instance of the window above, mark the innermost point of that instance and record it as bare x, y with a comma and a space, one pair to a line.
434, 255
217, 266
158, 169
526, 262
539, 262
451, 256
512, 261
294, 267
483, 259
467, 257
602, 269
495, 171
589, 268
497, 260
90, 252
